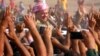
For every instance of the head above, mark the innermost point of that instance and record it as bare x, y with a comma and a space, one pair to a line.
41, 11
20, 27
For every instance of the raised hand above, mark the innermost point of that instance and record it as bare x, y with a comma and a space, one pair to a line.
12, 35
11, 29
6, 17
47, 40
68, 22
48, 32
89, 39
3, 26
92, 22
58, 30
30, 23
29, 19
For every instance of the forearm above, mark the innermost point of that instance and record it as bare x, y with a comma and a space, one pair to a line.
95, 37
75, 46
31, 50
67, 41
82, 48
1, 45
57, 44
49, 46
8, 49
21, 47
39, 45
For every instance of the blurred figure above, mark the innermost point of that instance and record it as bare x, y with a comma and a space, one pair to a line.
2, 5
80, 19
41, 13
12, 4
21, 8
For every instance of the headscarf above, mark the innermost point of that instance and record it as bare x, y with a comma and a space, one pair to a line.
39, 6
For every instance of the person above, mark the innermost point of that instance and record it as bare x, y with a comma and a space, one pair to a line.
40, 48
21, 8
8, 22
80, 19
22, 34
41, 14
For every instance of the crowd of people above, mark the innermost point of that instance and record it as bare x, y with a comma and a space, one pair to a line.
47, 31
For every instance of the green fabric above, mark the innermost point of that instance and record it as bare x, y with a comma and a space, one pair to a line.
91, 52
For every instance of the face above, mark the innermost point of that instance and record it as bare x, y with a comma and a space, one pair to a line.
42, 15
20, 27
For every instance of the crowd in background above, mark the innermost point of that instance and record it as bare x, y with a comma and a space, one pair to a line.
41, 30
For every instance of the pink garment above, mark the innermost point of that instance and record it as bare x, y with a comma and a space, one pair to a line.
43, 1
12, 4
40, 6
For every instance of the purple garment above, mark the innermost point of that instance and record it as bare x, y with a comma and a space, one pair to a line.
3, 4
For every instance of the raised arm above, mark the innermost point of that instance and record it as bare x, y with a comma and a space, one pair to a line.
39, 45
47, 40
8, 49
3, 26
14, 38
1, 44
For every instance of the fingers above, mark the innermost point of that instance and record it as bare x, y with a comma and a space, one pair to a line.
29, 20
48, 32
48, 29
26, 18
29, 17
33, 16
11, 26
7, 11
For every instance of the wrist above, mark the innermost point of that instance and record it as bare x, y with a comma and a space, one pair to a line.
47, 36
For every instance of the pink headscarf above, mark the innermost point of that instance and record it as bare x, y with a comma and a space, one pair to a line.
40, 6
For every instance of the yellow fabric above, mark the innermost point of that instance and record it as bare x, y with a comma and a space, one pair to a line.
64, 4
96, 47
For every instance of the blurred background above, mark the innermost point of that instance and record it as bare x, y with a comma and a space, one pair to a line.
72, 4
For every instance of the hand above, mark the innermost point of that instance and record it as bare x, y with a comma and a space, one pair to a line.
92, 22
29, 20
68, 22
12, 33
58, 30
48, 32
7, 16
